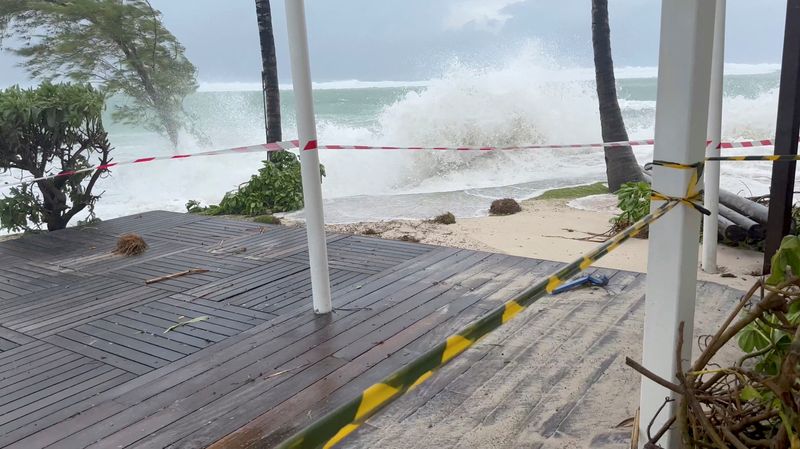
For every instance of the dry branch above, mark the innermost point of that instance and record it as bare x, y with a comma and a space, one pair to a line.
175, 275
739, 406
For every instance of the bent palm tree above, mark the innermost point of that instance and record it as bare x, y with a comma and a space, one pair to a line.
269, 71
621, 165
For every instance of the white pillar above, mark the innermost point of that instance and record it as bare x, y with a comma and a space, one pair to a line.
309, 158
711, 178
684, 73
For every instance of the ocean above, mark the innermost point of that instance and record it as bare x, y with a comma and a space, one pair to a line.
522, 102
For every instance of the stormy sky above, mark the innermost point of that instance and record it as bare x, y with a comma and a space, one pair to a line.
406, 40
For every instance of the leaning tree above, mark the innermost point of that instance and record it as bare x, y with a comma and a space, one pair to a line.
120, 45
621, 165
44, 131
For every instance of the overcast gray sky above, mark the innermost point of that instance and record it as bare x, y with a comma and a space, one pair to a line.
406, 40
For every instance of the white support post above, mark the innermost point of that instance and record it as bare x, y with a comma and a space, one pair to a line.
309, 158
684, 73
711, 177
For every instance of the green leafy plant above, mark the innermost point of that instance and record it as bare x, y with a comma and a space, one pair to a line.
633, 202
47, 130
766, 337
771, 340
194, 207
785, 261
277, 187
20, 210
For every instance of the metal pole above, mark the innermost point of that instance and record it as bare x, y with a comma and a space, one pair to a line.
711, 178
684, 77
786, 132
309, 158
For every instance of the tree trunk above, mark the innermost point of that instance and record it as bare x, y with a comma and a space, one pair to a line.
269, 71
621, 165
54, 202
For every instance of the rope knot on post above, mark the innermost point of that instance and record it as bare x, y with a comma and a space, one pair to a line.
694, 196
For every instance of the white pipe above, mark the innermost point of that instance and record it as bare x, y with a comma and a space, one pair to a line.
684, 77
711, 178
309, 158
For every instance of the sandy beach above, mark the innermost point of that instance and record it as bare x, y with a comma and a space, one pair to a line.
551, 229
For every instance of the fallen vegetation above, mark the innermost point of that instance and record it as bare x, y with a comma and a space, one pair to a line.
755, 402
130, 245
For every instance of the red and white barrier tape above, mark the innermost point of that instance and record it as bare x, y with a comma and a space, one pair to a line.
526, 147
276, 146
630, 143
748, 144
293, 144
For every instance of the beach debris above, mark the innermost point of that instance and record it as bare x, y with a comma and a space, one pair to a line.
408, 238
594, 281
130, 245
590, 236
446, 218
370, 231
505, 206
286, 371
267, 219
175, 275
184, 323
749, 402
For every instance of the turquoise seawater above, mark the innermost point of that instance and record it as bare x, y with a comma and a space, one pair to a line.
503, 106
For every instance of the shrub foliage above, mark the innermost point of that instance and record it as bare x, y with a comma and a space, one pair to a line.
47, 130
634, 204
277, 187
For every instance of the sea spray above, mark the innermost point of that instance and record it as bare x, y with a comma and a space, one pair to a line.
528, 99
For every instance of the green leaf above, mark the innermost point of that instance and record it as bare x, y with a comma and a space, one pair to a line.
751, 339
749, 393
184, 323
786, 258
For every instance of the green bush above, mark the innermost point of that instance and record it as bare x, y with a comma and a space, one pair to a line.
633, 202
277, 187
46, 130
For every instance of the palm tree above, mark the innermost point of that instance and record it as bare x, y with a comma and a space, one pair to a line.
621, 165
269, 72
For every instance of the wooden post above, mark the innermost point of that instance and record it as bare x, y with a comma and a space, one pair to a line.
309, 156
684, 77
786, 134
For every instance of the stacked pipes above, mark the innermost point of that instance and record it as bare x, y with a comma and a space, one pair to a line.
740, 219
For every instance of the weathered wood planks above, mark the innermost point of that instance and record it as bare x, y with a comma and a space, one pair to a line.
85, 361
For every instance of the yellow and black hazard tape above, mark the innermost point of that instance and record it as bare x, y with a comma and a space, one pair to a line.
336, 425
693, 195
768, 157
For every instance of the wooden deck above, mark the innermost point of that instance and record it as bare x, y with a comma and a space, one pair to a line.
85, 360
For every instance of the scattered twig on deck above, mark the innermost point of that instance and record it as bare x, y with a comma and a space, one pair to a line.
175, 275
184, 323
286, 371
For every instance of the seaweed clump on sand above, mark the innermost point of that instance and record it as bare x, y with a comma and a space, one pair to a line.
446, 218
505, 206
130, 245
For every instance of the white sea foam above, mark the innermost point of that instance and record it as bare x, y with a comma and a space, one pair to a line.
244, 86
527, 99
553, 73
